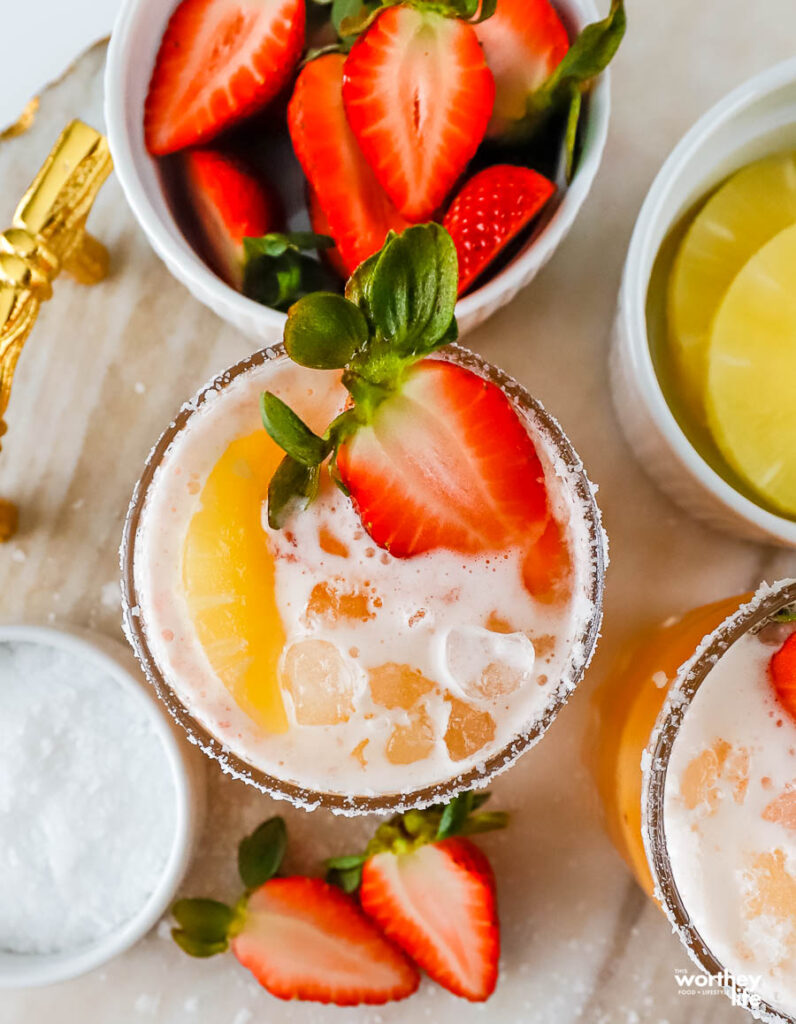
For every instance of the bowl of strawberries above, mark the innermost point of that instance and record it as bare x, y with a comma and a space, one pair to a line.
268, 147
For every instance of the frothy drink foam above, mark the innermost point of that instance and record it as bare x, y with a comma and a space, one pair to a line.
393, 673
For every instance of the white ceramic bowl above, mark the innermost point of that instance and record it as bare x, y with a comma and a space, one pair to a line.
756, 119
131, 55
187, 773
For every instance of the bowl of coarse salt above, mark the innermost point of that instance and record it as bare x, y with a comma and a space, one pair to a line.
100, 803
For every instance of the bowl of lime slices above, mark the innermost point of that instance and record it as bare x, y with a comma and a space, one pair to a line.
703, 364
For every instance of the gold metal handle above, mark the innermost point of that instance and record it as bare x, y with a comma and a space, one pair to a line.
48, 235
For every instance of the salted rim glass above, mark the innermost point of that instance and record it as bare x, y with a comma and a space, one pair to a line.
658, 751
475, 777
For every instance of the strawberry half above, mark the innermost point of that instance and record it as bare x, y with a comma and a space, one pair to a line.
438, 904
431, 454
356, 208
782, 669
230, 204
523, 41
432, 892
446, 462
491, 209
320, 225
305, 939
418, 95
219, 61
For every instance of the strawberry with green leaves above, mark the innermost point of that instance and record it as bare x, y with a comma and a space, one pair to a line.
418, 96
537, 72
239, 218
302, 938
432, 454
432, 892
230, 203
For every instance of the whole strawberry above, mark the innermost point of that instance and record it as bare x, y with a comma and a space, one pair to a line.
432, 892
301, 938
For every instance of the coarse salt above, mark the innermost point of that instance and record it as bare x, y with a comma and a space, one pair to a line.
87, 804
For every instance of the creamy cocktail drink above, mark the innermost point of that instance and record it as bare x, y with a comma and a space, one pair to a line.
716, 789
410, 616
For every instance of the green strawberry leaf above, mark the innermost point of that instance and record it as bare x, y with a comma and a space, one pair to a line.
357, 289
275, 244
474, 11
571, 132
454, 815
261, 853
277, 272
411, 292
489, 821
291, 432
324, 330
347, 879
203, 920
591, 52
787, 614
198, 947
398, 307
589, 55
345, 872
293, 487
352, 17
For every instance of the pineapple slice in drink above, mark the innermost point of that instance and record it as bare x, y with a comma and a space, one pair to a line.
747, 211
751, 394
228, 575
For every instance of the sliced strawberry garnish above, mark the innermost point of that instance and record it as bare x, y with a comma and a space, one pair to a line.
523, 42
358, 212
219, 61
305, 939
418, 95
231, 203
300, 937
491, 209
782, 669
438, 904
445, 462
547, 567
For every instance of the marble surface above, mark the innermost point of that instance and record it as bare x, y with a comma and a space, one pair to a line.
106, 369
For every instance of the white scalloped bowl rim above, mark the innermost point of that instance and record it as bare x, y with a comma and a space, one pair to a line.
126, 78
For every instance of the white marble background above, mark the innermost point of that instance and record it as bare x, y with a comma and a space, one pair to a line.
106, 369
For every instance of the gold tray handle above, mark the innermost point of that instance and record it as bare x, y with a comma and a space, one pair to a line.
48, 235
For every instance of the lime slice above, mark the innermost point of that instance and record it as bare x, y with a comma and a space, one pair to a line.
751, 386
747, 211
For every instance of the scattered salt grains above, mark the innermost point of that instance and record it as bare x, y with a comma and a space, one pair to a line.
147, 1004
110, 595
86, 808
660, 679
139, 388
243, 1016
18, 555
